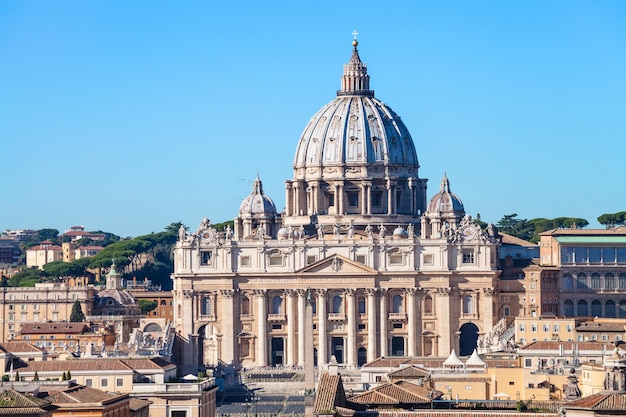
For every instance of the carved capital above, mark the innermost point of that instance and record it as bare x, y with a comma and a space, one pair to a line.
349, 292
228, 293
260, 293
301, 292
489, 291
290, 292
188, 293
371, 291
445, 291
411, 291
321, 292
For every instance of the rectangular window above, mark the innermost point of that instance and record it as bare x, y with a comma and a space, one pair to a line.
360, 259
178, 413
244, 261
311, 259
361, 326
104, 382
522, 327
353, 199
528, 362
395, 259
468, 256
569, 328
608, 255
206, 257
595, 255
533, 327
276, 261
556, 328
428, 259
397, 325
580, 255
377, 197
567, 255
507, 311
546, 327
88, 382
119, 382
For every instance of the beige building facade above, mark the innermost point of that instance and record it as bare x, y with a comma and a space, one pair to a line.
386, 272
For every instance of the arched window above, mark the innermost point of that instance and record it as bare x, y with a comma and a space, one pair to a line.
163, 302
595, 281
609, 308
207, 306
397, 304
428, 305
277, 305
622, 281
468, 304
337, 306
622, 308
596, 308
581, 281
609, 281
245, 305
568, 308
582, 309
568, 281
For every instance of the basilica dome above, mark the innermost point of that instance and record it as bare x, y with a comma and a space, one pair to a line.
355, 158
355, 132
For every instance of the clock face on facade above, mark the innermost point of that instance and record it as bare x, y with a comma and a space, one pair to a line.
469, 233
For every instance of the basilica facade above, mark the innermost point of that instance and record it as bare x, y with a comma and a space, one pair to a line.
386, 271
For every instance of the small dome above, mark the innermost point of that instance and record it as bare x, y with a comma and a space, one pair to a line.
257, 202
445, 201
400, 233
283, 233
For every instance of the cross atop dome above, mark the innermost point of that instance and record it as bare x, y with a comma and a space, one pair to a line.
355, 80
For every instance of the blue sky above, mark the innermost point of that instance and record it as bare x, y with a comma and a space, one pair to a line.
127, 116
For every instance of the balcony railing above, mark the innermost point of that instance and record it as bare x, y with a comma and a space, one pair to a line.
397, 316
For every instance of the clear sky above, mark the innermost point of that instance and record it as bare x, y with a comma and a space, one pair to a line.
126, 116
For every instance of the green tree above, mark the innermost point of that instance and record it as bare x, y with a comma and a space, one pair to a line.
36, 376
77, 314
611, 220
520, 228
46, 234
147, 305
17, 376
64, 376
69, 375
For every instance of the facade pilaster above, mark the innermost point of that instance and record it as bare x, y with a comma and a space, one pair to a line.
371, 324
229, 345
322, 350
351, 340
291, 328
384, 320
261, 319
444, 317
301, 326
412, 325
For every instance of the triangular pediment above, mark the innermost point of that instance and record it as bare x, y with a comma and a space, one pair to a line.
337, 264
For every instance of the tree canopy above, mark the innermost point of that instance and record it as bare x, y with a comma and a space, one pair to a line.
530, 229
610, 220
77, 315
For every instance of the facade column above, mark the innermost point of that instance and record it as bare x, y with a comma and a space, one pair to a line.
190, 353
363, 199
322, 347
301, 326
369, 199
371, 324
442, 303
315, 186
288, 199
384, 320
389, 198
341, 202
261, 357
229, 344
296, 198
291, 328
410, 309
351, 341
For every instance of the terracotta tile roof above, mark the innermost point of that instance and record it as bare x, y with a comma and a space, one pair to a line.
13, 402
399, 392
409, 372
137, 403
79, 394
585, 232
507, 239
591, 326
57, 328
101, 364
19, 347
556, 345
329, 394
605, 400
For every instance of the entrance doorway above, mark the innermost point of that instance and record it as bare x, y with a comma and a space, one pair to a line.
337, 348
278, 351
469, 339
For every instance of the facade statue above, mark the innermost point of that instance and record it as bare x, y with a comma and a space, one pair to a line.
382, 230
368, 230
182, 234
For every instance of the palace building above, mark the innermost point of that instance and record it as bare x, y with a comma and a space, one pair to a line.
386, 271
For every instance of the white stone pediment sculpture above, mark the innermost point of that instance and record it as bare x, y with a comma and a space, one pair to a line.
337, 264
